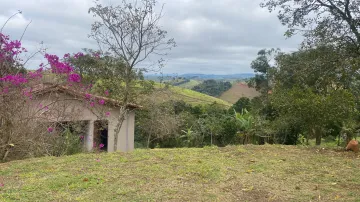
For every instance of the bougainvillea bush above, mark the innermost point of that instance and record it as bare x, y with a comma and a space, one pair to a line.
24, 130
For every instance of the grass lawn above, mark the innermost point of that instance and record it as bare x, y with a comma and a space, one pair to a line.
243, 173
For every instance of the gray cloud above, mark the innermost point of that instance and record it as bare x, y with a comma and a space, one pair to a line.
212, 36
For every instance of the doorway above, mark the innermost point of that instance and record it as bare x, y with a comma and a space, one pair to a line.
101, 135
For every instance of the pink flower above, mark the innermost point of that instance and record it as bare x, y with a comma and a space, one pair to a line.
101, 102
107, 92
87, 95
2, 184
40, 105
46, 107
101, 145
107, 113
82, 137
74, 78
92, 104
50, 129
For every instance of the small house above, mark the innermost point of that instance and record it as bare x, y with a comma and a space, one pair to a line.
99, 115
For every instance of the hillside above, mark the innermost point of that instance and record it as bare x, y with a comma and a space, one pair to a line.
187, 95
237, 91
237, 173
190, 84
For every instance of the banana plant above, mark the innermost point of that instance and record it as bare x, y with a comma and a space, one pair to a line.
246, 124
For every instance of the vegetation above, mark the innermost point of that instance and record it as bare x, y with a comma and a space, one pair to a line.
212, 87
245, 173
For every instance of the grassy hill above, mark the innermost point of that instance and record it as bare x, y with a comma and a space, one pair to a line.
187, 95
237, 91
190, 84
237, 173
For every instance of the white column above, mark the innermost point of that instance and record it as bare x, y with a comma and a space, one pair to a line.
89, 139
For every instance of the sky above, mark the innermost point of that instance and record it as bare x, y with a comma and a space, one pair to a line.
212, 36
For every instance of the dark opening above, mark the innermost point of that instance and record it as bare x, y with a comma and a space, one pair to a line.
101, 135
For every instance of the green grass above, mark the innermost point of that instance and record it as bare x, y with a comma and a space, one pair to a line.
187, 95
243, 173
190, 84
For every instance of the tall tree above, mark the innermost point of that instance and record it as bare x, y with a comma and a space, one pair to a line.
131, 33
263, 69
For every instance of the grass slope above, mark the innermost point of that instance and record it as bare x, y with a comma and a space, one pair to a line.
243, 173
187, 95
237, 91
190, 84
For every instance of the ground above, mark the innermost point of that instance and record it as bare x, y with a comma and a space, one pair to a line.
237, 91
234, 173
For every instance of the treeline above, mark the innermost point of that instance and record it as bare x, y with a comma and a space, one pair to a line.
212, 87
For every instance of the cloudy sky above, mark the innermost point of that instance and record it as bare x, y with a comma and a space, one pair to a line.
212, 36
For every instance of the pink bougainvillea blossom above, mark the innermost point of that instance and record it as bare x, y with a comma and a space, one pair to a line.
57, 66
14, 79
50, 129
88, 96
78, 55
92, 104
101, 102
74, 78
107, 92
101, 145
107, 113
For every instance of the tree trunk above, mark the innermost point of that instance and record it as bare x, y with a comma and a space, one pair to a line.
148, 141
318, 136
121, 118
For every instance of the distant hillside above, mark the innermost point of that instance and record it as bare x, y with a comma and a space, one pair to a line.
156, 77
213, 76
163, 94
237, 91
190, 84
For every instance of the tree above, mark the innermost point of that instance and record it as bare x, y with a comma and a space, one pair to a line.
263, 69
335, 22
313, 111
130, 33
322, 68
242, 103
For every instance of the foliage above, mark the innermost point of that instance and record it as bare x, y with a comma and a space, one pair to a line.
212, 87
241, 104
330, 22
261, 65
311, 111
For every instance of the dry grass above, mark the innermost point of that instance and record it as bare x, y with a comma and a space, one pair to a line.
237, 91
237, 173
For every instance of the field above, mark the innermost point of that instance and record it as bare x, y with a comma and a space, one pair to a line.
237, 91
190, 84
187, 95
235, 173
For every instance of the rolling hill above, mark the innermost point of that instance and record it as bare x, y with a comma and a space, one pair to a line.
237, 91
163, 94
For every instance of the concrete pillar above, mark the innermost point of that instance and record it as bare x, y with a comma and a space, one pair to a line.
89, 138
126, 134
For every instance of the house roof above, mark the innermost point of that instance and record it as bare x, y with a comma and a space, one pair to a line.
44, 88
